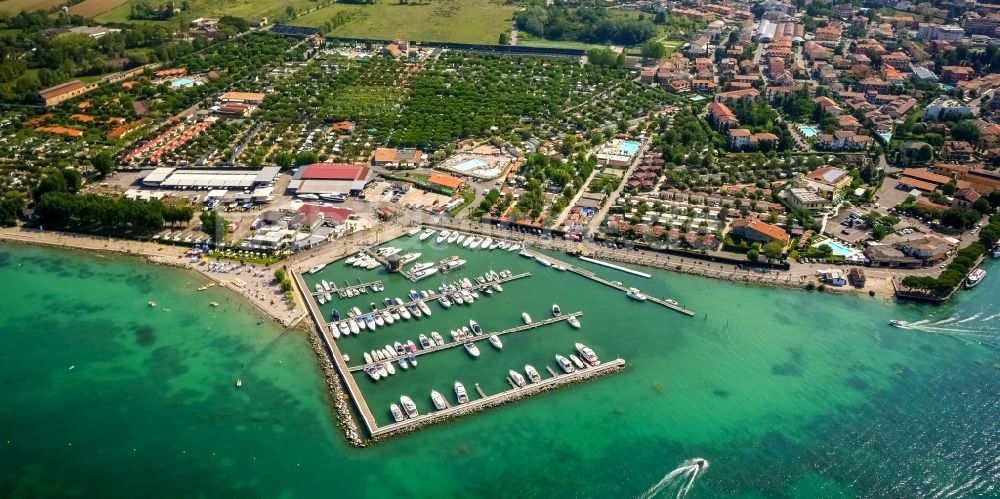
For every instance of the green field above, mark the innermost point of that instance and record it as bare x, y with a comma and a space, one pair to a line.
216, 8
466, 21
523, 41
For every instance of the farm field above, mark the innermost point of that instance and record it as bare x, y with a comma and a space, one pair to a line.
91, 8
118, 10
466, 21
15, 6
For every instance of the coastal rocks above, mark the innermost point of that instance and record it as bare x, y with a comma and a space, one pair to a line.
345, 416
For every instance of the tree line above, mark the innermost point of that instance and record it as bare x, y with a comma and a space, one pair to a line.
585, 24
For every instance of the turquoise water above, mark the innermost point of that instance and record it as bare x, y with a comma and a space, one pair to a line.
808, 131
785, 393
629, 148
838, 249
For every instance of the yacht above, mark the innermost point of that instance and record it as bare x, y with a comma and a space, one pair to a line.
472, 349
389, 251
445, 301
317, 268
577, 362
409, 257
495, 341
494, 244
556, 311
460, 393
587, 354
532, 374
896, 323
565, 364
526, 317
438, 340
573, 321
443, 235
421, 266
424, 308
397, 413
425, 343
409, 406
452, 265
486, 243
438, 400
423, 274
635, 294
457, 298
516, 378
475, 327
427, 233
452, 238
975, 277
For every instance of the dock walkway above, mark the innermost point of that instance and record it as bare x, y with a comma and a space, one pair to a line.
473, 339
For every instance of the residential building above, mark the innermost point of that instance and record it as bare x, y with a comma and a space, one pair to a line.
387, 156
965, 198
844, 140
64, 91
720, 116
946, 108
756, 230
955, 74
751, 93
739, 138
805, 199
958, 151
930, 31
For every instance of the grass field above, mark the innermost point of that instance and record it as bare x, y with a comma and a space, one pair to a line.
467, 21
559, 44
118, 10
15, 6
91, 8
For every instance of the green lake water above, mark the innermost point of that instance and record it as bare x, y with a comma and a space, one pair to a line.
785, 393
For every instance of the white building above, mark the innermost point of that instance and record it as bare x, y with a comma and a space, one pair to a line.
944, 108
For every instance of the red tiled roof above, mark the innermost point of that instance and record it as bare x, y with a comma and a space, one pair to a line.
329, 212
334, 171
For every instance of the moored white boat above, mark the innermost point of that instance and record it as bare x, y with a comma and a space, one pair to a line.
526, 318
475, 327
438, 400
388, 367
472, 349
556, 311
452, 238
460, 393
576, 361
438, 340
975, 277
587, 354
409, 406
573, 321
397, 413
427, 233
565, 364
443, 235
317, 268
635, 294
368, 358
532, 373
424, 308
516, 377
486, 243
414, 231
495, 341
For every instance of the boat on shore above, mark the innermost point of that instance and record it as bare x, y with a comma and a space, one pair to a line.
460, 393
517, 378
635, 294
495, 341
438, 400
397, 413
472, 348
532, 373
409, 406
975, 278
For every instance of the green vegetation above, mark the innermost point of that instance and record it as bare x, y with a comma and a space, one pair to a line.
105, 215
214, 225
585, 24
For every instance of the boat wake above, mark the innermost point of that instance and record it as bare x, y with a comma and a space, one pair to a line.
678, 482
954, 327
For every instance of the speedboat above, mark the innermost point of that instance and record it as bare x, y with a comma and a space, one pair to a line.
413, 360
387, 302
475, 327
495, 341
334, 315
452, 238
556, 311
425, 343
438, 400
975, 277
400, 349
424, 308
388, 367
587, 354
443, 235
486, 243
516, 378
411, 346
414, 295
438, 340
565, 364
573, 321
397, 413
379, 321
635, 294
403, 364
577, 362
460, 393
356, 310
532, 374
896, 323
472, 349
427, 233
526, 317
388, 351
409, 406
317, 268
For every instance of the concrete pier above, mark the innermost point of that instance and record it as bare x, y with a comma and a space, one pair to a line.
498, 399
474, 339
616, 267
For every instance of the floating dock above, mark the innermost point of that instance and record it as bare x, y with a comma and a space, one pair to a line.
616, 267
473, 339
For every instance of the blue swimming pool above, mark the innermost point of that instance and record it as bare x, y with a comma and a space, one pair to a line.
838, 249
471, 164
808, 131
629, 148
182, 83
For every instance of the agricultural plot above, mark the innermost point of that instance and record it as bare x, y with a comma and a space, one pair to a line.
92, 8
15, 6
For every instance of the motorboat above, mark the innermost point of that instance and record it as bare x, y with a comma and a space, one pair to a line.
457, 298
400, 349
467, 296
438, 400
425, 343
494, 244
514, 247
387, 302
413, 295
559, 268
587, 354
409, 257
525, 253
421, 266
442, 236
565, 364
317, 268
370, 322
424, 308
334, 315
368, 358
413, 360
414, 231
403, 364
486, 243
445, 301
896, 323
532, 374
356, 310
427, 233
326, 285
516, 377
388, 351
353, 325
669, 301
460, 393
344, 329
495, 341
438, 340
404, 313
473, 243
452, 238
456, 335
497, 287
556, 311
543, 261
635, 294
526, 317
488, 291
388, 367
351, 260
472, 349
373, 374
466, 332
975, 277
409, 406
387, 317
388, 251
397, 413
503, 245
415, 310
382, 371
411, 346
379, 321
335, 332
577, 362
452, 265
475, 327
573, 321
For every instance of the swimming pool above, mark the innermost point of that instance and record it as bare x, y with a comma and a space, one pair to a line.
629, 148
808, 131
471, 164
182, 83
838, 249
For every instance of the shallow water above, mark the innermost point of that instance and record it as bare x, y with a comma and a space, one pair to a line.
785, 393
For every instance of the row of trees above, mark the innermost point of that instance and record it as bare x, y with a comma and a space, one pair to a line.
586, 24
106, 215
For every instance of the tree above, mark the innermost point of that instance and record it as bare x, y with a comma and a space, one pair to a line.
504, 39
103, 163
879, 232
965, 130
653, 50
283, 159
960, 218
773, 250
214, 225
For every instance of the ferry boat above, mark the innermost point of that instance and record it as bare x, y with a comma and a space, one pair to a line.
635, 294
516, 378
443, 235
438, 340
587, 354
409, 406
438, 400
565, 364
495, 341
475, 327
472, 349
556, 311
975, 277
573, 321
460, 393
425, 343
397, 413
526, 317
317, 268
577, 362
532, 373
427, 233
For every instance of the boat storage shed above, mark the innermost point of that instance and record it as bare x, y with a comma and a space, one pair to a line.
172, 178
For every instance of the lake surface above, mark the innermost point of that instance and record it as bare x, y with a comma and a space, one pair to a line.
785, 393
